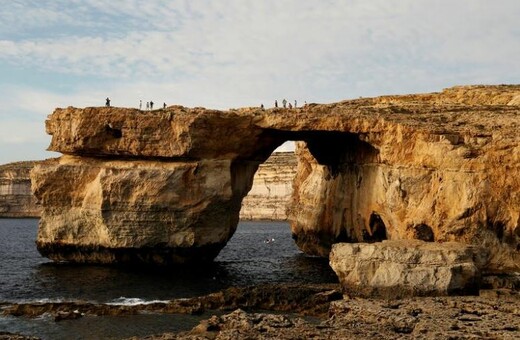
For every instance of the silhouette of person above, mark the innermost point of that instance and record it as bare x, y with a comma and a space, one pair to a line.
290, 105
284, 103
164, 105
147, 105
140, 104
151, 105
276, 103
107, 103
262, 106
295, 103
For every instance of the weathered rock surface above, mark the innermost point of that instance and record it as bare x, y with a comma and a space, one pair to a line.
142, 211
441, 167
271, 192
400, 268
417, 318
11, 336
166, 186
16, 199
314, 311
268, 198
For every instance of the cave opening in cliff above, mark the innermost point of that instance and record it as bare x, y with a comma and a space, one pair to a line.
377, 229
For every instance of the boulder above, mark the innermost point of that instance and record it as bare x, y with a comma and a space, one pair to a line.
394, 269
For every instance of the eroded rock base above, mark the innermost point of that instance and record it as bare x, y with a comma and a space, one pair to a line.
128, 256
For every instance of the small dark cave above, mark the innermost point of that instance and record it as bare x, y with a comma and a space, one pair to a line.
377, 231
497, 227
116, 133
424, 232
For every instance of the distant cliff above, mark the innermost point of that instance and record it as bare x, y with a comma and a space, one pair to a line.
272, 189
267, 200
16, 199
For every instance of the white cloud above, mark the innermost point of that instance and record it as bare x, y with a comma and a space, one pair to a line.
223, 54
254, 38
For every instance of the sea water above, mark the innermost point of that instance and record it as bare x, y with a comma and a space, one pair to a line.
258, 253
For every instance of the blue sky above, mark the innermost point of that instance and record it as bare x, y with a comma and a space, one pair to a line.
234, 53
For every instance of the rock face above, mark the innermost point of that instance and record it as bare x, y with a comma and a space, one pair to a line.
268, 198
125, 212
16, 199
271, 192
400, 268
436, 167
166, 186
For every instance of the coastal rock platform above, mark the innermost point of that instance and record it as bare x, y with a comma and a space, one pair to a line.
419, 318
313, 312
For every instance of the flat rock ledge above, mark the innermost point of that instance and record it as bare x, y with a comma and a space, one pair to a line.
400, 268
314, 312
416, 318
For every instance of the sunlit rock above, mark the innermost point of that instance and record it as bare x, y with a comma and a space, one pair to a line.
166, 186
395, 269
16, 199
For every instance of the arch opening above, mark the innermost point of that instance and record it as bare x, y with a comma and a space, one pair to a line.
341, 165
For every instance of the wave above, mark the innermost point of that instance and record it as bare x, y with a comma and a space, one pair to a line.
123, 301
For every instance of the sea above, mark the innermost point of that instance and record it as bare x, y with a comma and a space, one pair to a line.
259, 252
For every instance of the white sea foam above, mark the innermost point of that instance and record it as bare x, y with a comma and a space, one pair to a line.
41, 301
123, 301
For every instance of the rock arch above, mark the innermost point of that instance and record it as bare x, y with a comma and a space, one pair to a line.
166, 186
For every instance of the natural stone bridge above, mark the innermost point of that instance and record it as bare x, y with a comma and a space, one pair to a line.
166, 186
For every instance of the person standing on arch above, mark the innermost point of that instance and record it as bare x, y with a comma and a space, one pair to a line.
107, 103
151, 105
284, 103
147, 106
276, 103
140, 104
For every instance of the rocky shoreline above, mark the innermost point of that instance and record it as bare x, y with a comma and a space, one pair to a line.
292, 311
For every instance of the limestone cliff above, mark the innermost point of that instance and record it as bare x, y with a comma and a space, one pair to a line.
166, 186
16, 199
272, 189
268, 198
437, 167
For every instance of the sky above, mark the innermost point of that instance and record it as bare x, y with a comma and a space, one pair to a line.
233, 53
